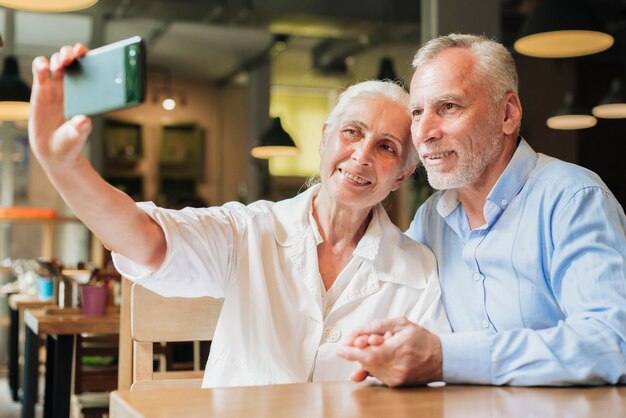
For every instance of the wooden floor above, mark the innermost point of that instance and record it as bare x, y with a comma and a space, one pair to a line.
8, 408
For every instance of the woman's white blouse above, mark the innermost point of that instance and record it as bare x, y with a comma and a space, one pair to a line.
278, 324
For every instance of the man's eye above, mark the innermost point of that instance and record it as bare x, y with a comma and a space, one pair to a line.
388, 148
449, 106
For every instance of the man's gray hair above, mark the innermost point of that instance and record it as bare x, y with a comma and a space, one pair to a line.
389, 90
495, 70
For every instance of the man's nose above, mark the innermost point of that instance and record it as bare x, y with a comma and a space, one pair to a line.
428, 128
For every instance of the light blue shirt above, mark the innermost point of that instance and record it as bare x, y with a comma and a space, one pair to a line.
537, 296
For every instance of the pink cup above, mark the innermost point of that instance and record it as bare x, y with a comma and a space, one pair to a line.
93, 300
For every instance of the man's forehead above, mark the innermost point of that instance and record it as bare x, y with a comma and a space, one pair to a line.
437, 86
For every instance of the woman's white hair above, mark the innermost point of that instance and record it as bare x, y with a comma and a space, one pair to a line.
389, 90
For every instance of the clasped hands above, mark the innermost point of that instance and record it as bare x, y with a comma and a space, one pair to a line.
396, 351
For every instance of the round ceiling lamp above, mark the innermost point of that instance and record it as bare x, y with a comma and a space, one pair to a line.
613, 105
47, 6
562, 29
571, 115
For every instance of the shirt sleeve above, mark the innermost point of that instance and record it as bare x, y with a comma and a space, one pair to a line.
202, 246
587, 275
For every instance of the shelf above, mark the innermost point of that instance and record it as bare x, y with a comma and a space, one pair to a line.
46, 216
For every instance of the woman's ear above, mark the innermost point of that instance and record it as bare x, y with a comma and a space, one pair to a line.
323, 140
405, 175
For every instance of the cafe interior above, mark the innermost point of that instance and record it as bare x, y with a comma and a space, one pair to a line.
236, 96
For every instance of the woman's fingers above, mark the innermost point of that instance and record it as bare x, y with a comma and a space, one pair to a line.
80, 50
65, 57
41, 68
359, 375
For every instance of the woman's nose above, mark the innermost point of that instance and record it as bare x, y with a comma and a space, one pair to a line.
362, 153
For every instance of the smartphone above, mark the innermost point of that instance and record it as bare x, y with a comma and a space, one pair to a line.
108, 78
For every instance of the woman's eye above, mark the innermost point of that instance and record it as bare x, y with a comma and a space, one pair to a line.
417, 112
351, 133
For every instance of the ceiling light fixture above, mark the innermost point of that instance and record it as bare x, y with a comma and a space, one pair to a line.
386, 71
169, 104
275, 142
572, 114
14, 93
561, 29
163, 92
613, 105
47, 6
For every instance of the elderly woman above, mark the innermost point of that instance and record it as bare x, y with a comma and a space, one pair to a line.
296, 275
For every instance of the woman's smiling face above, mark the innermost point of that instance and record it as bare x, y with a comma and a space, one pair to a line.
364, 152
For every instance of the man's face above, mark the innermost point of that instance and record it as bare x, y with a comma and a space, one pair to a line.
364, 153
455, 126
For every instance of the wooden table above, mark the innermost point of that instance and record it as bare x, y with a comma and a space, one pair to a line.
60, 327
347, 399
17, 303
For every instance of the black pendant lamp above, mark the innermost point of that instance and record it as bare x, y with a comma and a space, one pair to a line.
573, 114
387, 72
561, 29
14, 93
275, 142
613, 104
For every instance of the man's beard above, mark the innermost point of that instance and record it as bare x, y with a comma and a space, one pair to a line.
470, 165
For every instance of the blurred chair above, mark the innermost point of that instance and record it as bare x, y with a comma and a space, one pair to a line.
157, 319
95, 374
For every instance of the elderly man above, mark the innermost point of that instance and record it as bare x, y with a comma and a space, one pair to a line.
531, 250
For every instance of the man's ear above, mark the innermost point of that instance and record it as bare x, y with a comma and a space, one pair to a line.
512, 114
405, 175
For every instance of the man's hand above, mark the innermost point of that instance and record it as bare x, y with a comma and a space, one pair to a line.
54, 140
396, 351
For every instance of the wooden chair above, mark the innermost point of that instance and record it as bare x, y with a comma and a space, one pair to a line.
156, 319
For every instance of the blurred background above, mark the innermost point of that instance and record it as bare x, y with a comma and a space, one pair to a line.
226, 78
220, 71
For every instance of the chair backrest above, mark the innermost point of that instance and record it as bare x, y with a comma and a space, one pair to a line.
96, 363
154, 318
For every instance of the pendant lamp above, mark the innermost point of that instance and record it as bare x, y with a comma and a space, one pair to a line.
561, 29
613, 105
14, 93
572, 114
386, 71
275, 142
47, 6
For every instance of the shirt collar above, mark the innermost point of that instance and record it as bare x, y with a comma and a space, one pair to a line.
394, 261
514, 176
292, 228
369, 244
506, 188
294, 216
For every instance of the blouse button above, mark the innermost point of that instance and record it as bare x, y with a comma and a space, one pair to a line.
485, 324
332, 334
